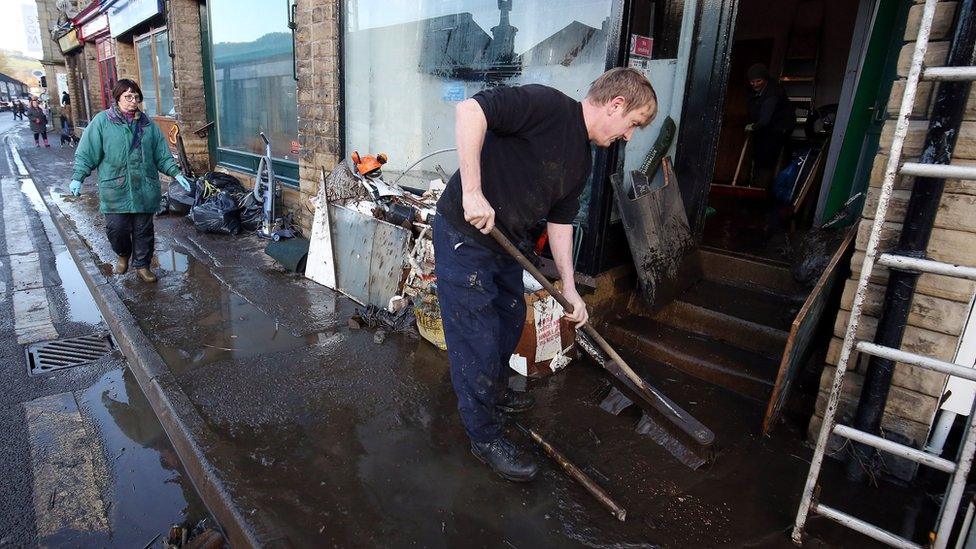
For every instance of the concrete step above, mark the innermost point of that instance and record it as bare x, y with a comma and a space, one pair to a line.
754, 305
744, 334
749, 272
716, 362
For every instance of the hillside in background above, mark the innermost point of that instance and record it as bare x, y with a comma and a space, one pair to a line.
16, 65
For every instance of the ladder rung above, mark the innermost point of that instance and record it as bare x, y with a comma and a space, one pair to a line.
945, 74
926, 362
915, 264
865, 528
940, 171
894, 448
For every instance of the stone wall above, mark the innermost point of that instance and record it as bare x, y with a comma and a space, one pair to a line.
183, 23
941, 305
317, 55
94, 79
126, 63
52, 60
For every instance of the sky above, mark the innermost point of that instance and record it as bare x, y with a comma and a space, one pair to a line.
12, 32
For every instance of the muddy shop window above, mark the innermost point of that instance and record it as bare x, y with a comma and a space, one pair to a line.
156, 73
254, 84
408, 63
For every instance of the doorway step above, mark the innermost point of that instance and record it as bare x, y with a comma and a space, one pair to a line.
729, 327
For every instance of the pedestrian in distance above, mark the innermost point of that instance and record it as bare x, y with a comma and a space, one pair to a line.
524, 155
128, 150
771, 120
38, 122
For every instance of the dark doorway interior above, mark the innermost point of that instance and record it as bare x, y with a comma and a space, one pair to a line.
805, 46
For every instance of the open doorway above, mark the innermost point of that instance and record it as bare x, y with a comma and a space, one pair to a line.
790, 61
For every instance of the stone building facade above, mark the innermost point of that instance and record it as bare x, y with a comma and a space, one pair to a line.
53, 62
941, 305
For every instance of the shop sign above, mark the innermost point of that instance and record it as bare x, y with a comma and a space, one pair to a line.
69, 41
126, 14
94, 27
641, 45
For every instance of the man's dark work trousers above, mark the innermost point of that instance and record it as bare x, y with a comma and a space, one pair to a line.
483, 309
131, 235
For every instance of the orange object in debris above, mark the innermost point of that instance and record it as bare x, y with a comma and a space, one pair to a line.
368, 165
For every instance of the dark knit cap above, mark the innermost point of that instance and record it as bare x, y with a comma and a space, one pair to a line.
757, 71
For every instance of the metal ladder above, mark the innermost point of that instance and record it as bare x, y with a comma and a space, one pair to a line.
959, 469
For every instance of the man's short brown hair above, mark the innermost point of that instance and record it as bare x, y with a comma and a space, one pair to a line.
623, 82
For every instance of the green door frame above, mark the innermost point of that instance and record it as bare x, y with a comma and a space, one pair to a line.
286, 171
852, 171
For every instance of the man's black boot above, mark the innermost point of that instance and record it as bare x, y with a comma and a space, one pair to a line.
514, 402
505, 459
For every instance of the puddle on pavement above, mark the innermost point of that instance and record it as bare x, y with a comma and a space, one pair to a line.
171, 260
238, 331
148, 490
81, 305
30, 191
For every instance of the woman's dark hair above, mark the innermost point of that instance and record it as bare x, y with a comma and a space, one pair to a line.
123, 86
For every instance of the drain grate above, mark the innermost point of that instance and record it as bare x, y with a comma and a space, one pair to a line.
66, 353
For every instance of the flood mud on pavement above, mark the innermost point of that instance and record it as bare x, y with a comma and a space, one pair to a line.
330, 438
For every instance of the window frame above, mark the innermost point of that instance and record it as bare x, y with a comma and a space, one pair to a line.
150, 35
286, 171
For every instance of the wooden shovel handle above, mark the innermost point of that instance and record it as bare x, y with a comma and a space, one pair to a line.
588, 328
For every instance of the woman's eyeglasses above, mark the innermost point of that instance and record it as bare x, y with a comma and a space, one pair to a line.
131, 98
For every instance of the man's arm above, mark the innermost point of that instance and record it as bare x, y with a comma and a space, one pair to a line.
561, 244
470, 126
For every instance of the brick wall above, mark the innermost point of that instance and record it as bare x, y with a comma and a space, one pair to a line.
317, 55
191, 107
941, 304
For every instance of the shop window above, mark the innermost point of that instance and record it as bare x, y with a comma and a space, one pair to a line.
254, 86
156, 73
407, 67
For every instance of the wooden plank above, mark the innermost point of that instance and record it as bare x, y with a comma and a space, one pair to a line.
802, 332
320, 265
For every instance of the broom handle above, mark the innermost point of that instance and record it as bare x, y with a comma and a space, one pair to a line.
588, 328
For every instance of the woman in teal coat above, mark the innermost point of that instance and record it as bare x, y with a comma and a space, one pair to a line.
128, 150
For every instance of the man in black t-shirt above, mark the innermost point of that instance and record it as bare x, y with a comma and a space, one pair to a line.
524, 156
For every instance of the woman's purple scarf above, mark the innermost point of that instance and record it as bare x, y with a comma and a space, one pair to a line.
137, 123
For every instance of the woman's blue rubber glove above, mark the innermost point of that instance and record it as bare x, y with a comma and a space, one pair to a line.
184, 182
75, 187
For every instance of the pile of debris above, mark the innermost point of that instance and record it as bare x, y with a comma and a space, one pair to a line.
376, 246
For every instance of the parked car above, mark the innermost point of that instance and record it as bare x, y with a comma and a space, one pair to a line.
5, 105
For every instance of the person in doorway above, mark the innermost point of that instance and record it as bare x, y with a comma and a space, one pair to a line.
128, 150
38, 122
771, 120
65, 99
524, 156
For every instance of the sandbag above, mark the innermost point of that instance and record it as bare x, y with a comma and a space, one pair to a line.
218, 214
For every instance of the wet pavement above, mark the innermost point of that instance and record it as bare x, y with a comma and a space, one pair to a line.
86, 462
323, 437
